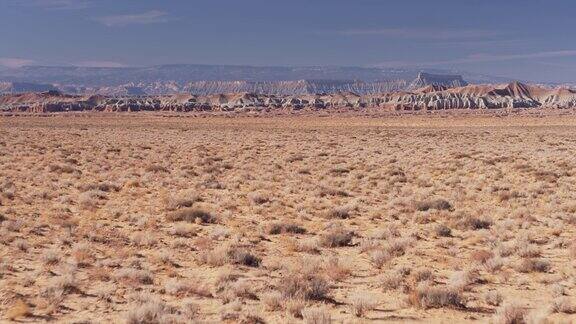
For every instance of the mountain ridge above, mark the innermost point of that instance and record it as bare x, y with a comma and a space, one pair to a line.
431, 97
87, 79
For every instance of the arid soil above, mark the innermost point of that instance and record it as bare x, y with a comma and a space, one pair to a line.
144, 219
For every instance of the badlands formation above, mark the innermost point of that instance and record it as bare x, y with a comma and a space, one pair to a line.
430, 97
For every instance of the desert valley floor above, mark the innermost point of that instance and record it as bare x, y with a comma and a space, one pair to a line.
144, 219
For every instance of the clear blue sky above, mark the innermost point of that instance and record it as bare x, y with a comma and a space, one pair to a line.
529, 39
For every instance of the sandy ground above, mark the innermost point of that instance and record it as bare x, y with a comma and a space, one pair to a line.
142, 219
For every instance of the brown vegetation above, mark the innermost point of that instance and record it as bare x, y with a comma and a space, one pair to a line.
148, 219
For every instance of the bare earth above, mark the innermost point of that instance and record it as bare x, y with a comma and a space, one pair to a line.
145, 219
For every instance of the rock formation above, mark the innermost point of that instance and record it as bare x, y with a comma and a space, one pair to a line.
431, 97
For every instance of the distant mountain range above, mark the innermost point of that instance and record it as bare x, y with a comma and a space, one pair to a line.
431, 97
210, 79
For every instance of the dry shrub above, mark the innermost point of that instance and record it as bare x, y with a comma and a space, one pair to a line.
473, 223
83, 254
572, 249
151, 312
462, 279
438, 204
143, 239
510, 313
242, 289
332, 192
443, 231
379, 258
307, 285
369, 244
89, 199
105, 186
563, 305
22, 245
305, 246
61, 168
157, 168
341, 212
273, 300
533, 265
336, 238
397, 246
57, 289
229, 254
7, 190
493, 298
361, 304
191, 215
181, 288
17, 310
316, 316
339, 171
182, 200
215, 258
243, 257
134, 276
183, 229
251, 319
51, 257
528, 250
426, 296
558, 290
494, 264
219, 232
295, 306
481, 256
423, 274
13, 225
391, 281
258, 198
336, 270
280, 228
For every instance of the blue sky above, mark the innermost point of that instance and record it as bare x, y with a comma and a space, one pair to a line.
530, 39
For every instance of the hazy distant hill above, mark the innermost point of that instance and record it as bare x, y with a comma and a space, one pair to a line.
203, 79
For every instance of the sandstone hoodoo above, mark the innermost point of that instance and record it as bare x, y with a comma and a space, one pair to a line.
430, 97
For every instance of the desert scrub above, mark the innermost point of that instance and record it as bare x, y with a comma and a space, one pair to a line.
191, 215
307, 285
336, 238
134, 276
281, 228
230, 255
510, 313
438, 204
533, 265
183, 199
360, 304
427, 296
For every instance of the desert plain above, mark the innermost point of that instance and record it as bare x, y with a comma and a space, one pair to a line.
140, 218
